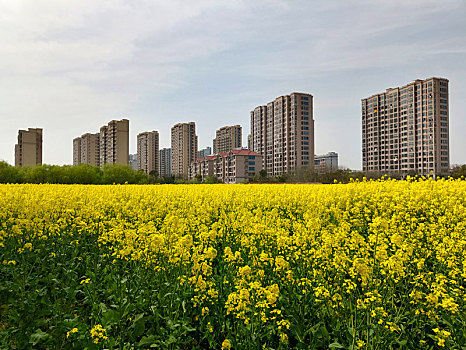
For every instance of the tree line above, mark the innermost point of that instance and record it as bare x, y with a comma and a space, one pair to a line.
121, 174
72, 174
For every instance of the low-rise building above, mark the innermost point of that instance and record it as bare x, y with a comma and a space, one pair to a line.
326, 163
237, 166
133, 161
204, 152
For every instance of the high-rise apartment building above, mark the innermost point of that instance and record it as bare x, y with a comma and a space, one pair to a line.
183, 148
204, 152
77, 151
28, 150
165, 162
227, 138
148, 151
283, 132
114, 142
86, 149
406, 129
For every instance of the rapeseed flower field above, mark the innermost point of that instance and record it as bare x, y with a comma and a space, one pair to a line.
365, 265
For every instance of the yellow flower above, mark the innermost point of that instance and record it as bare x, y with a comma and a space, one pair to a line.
85, 281
226, 344
283, 337
98, 332
74, 330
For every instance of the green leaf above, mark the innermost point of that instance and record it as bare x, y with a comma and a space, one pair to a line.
150, 340
110, 317
139, 328
336, 346
38, 336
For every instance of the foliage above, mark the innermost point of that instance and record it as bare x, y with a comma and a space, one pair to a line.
459, 171
67, 174
370, 265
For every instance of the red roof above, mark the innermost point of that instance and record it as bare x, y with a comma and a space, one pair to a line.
244, 152
223, 154
200, 159
210, 157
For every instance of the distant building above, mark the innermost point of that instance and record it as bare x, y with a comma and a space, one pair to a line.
249, 141
204, 152
326, 162
148, 151
236, 166
77, 151
227, 138
109, 146
165, 162
86, 149
283, 132
114, 142
28, 150
406, 129
183, 148
133, 161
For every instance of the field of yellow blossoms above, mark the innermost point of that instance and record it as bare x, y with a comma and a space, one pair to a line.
365, 265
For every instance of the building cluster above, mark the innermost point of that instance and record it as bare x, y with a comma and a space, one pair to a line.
109, 146
404, 130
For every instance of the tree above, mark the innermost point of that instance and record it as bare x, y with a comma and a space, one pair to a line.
459, 171
9, 174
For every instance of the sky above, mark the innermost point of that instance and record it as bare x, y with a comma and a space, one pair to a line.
71, 66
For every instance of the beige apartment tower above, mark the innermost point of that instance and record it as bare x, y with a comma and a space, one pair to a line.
148, 151
114, 142
227, 138
86, 149
283, 132
28, 150
183, 148
405, 130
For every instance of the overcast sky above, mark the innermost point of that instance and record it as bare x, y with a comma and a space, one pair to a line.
72, 66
